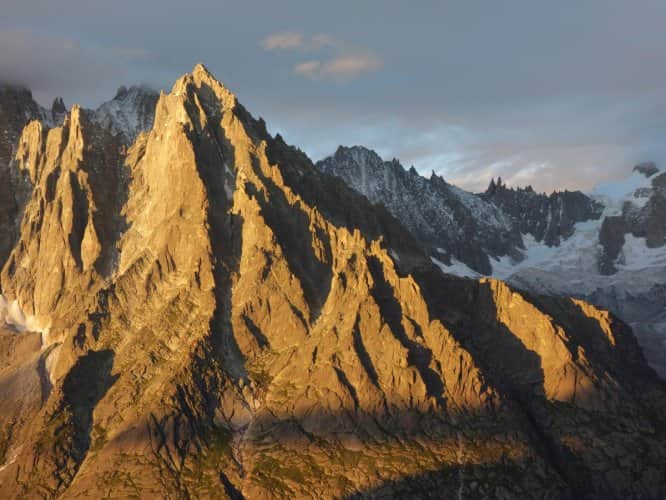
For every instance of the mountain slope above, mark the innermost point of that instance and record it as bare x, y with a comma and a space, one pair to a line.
229, 321
461, 225
606, 247
617, 262
548, 219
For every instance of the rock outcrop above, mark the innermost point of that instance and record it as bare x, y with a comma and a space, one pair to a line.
219, 318
17, 108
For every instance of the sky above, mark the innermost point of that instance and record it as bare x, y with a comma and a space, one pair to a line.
558, 95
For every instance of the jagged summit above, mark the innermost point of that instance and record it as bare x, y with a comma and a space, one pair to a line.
58, 106
548, 218
211, 89
458, 225
202, 312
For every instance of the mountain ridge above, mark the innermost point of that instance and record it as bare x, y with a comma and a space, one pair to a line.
224, 319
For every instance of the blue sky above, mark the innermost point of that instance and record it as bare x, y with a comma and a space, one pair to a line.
553, 94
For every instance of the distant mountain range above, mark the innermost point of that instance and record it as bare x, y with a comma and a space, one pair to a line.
190, 308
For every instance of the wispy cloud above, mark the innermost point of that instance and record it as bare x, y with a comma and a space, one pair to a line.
309, 69
339, 61
44, 62
342, 68
285, 40
293, 40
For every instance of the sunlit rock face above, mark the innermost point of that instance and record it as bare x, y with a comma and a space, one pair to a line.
224, 320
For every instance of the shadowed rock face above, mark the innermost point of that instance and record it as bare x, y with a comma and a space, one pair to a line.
549, 218
460, 224
221, 319
17, 108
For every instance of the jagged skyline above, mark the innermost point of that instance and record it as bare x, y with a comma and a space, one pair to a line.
201, 312
553, 96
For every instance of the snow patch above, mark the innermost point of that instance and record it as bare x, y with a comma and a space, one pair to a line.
636, 255
456, 268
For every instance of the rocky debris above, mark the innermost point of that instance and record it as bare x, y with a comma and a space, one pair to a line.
611, 238
459, 224
231, 321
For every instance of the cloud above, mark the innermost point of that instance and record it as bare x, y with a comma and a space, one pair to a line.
293, 40
286, 40
309, 69
350, 66
130, 54
341, 68
53, 65
346, 63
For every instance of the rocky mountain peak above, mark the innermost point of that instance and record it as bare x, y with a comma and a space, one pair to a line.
211, 91
121, 92
549, 218
58, 106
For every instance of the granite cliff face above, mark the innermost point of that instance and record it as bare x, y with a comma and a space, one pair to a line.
17, 108
206, 314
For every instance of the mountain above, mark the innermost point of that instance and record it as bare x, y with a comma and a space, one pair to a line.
206, 314
617, 262
17, 108
130, 112
606, 247
457, 224
549, 219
